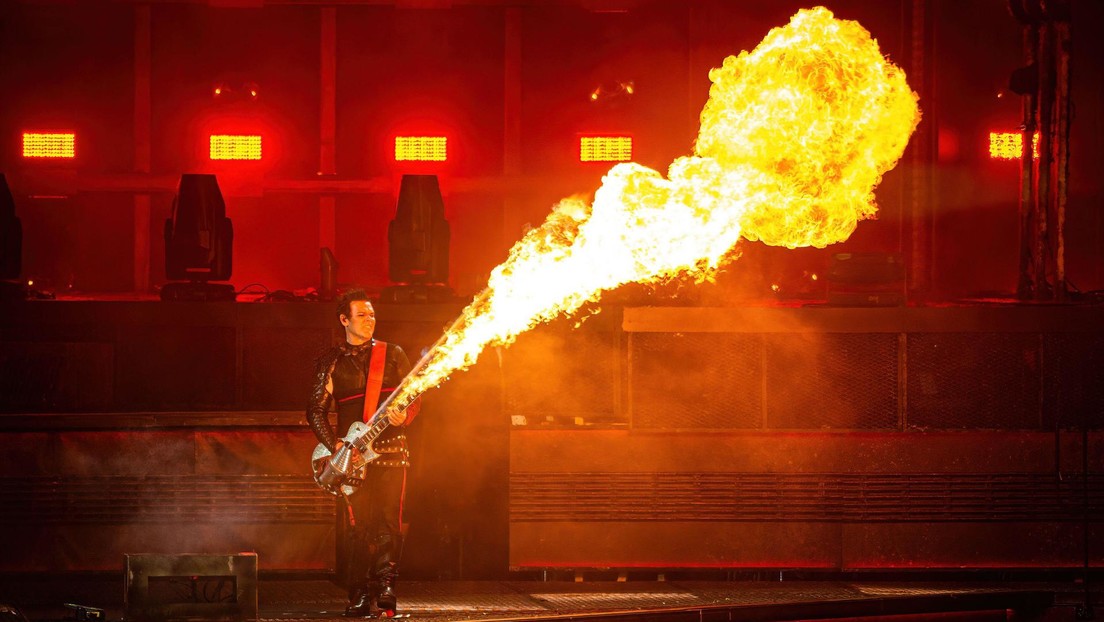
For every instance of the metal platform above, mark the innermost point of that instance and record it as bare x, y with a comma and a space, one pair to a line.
604, 601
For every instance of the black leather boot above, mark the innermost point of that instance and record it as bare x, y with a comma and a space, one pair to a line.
386, 599
362, 605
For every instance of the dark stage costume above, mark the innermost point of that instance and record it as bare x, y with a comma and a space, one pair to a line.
372, 526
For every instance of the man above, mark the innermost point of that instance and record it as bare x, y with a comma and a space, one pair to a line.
373, 513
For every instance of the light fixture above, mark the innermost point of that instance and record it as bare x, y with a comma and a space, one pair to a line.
607, 148
235, 147
1009, 145
54, 145
421, 148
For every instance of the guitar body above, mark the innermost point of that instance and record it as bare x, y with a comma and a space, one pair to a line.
351, 475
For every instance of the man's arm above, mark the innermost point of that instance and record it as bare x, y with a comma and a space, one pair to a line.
318, 409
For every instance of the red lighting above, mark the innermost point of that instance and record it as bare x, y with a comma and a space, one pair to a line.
605, 148
235, 147
421, 148
49, 145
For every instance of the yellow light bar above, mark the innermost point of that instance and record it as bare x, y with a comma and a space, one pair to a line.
1009, 145
49, 145
605, 148
235, 147
421, 148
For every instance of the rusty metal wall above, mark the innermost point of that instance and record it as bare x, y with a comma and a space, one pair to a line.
82, 499
828, 438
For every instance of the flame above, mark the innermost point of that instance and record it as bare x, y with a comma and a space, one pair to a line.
794, 138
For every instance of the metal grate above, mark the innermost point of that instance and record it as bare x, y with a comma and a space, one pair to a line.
1073, 394
832, 380
558, 372
805, 497
974, 381
126, 500
696, 380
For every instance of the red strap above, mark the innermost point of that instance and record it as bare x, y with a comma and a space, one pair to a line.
374, 384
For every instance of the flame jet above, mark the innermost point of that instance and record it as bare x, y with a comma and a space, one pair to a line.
794, 138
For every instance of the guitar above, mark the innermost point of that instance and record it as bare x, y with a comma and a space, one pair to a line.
342, 472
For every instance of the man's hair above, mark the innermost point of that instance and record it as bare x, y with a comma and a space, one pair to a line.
345, 303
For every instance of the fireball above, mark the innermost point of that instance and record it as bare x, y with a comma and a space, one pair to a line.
794, 138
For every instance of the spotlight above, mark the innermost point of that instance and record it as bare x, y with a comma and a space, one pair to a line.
418, 240
199, 242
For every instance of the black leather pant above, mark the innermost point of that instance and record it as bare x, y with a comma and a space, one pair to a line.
373, 532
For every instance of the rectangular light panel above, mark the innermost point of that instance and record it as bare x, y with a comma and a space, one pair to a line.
1009, 145
605, 148
421, 148
49, 145
235, 147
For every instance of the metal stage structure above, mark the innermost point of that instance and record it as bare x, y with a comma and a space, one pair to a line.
648, 438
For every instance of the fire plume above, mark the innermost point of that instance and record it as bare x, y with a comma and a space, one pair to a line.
794, 138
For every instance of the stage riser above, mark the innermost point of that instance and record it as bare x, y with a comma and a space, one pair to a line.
611, 498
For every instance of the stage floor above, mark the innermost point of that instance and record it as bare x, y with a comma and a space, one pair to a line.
452, 601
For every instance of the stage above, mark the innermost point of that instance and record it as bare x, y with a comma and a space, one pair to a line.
815, 437
669, 600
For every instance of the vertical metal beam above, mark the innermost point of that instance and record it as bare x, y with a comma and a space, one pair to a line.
1044, 179
511, 135
327, 204
1027, 278
511, 121
328, 91
1062, 129
142, 141
1044, 110
920, 213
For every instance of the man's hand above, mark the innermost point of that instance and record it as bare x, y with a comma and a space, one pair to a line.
396, 417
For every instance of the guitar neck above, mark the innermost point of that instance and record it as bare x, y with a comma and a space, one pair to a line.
402, 397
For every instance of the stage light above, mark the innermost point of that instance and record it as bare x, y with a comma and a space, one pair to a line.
418, 243
235, 147
605, 148
49, 145
199, 242
421, 148
1009, 145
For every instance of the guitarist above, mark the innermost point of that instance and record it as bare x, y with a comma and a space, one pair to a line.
372, 515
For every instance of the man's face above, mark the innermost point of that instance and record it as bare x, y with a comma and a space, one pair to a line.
361, 322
